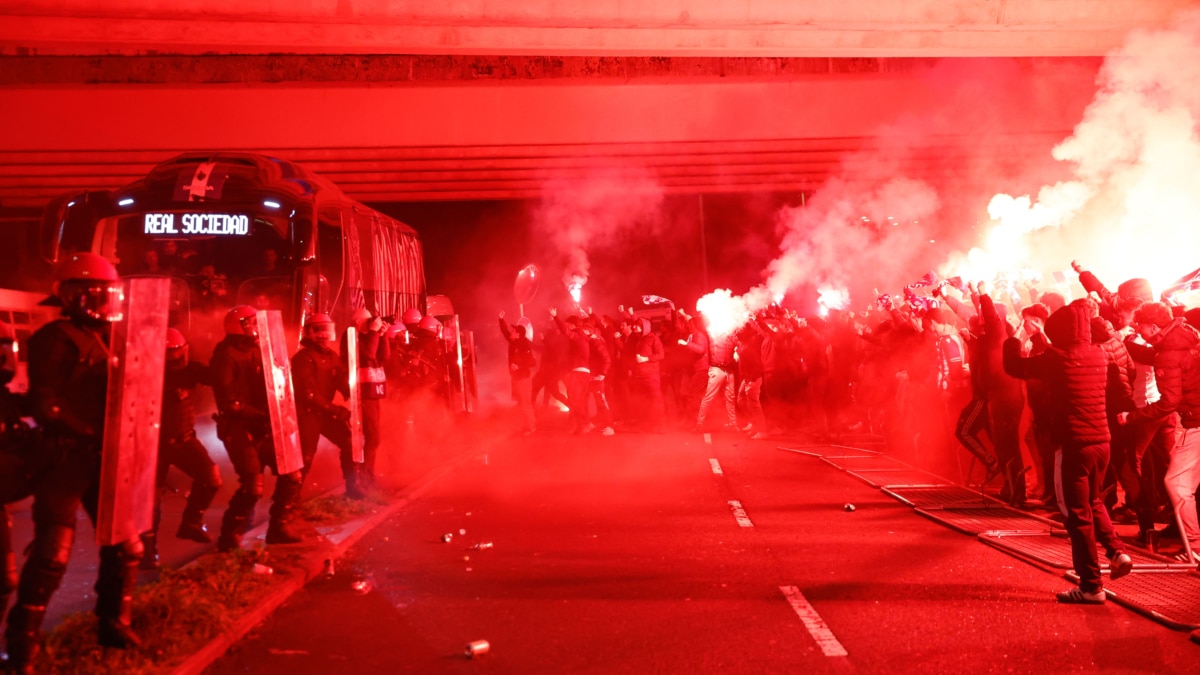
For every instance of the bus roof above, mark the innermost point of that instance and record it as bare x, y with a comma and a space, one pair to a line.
239, 176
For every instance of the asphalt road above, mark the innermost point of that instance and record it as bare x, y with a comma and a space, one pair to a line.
625, 554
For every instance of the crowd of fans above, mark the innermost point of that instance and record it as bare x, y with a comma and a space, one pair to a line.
1080, 406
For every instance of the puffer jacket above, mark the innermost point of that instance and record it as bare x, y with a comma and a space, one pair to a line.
1122, 369
1177, 374
1076, 372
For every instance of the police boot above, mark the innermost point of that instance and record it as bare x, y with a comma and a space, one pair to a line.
287, 491
353, 489
232, 527
114, 587
24, 637
114, 631
280, 531
191, 527
150, 559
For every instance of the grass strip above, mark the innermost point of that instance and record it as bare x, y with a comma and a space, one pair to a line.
184, 609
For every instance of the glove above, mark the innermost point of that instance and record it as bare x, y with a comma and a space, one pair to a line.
642, 359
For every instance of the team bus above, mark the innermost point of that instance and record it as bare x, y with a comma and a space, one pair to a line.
236, 228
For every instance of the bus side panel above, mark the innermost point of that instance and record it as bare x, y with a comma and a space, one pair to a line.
383, 264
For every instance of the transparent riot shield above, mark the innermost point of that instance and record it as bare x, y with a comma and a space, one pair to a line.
281, 401
356, 430
133, 411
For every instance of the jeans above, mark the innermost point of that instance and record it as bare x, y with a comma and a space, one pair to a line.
1183, 476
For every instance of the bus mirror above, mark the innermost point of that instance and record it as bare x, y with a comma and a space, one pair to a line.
71, 219
50, 232
526, 285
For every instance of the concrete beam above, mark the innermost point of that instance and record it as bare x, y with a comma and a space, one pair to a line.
772, 28
454, 139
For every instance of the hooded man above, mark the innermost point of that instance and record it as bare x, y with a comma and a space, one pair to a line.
1173, 350
1076, 373
644, 356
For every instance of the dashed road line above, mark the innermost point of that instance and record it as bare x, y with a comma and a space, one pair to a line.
708, 438
739, 513
813, 622
716, 466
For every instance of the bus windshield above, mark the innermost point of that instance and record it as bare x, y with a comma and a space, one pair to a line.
221, 259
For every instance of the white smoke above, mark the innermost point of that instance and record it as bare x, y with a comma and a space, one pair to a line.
578, 217
1130, 209
854, 236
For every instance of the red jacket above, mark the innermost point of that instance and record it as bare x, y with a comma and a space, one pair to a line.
1076, 373
1176, 372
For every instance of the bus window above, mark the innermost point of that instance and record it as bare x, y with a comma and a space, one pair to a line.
267, 293
330, 245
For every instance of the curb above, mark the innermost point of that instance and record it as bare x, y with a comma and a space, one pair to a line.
331, 546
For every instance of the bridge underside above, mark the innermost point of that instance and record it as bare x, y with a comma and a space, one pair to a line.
408, 100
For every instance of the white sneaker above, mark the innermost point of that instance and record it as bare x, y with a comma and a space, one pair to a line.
748, 428
1183, 556
1076, 596
607, 431
1120, 566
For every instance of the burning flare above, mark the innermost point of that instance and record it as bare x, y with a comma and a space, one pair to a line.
724, 312
575, 287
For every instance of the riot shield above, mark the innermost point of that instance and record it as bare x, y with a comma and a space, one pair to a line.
458, 355
133, 411
281, 401
356, 430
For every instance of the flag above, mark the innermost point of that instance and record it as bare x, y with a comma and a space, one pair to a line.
1188, 282
930, 279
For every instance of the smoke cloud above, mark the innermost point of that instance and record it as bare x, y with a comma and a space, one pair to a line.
1129, 208
854, 236
578, 217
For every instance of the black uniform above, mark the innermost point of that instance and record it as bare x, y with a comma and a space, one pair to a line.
178, 446
373, 352
318, 373
17, 471
244, 426
68, 377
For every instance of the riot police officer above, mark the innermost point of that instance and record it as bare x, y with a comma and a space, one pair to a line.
68, 383
318, 374
17, 463
244, 426
373, 352
178, 446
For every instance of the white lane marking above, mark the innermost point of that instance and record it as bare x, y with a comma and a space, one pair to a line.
716, 466
740, 514
708, 438
812, 621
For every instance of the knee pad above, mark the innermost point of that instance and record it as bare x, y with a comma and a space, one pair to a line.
52, 550
132, 550
253, 487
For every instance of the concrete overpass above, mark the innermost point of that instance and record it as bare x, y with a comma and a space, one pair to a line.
470, 99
